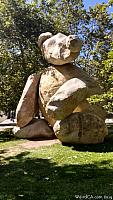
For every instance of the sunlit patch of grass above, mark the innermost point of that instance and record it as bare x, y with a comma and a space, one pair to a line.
58, 172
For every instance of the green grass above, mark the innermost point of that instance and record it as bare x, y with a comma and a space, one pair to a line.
7, 139
58, 172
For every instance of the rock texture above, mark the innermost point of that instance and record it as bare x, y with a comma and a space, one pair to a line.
54, 77
28, 104
38, 128
66, 99
43, 37
85, 106
60, 49
81, 128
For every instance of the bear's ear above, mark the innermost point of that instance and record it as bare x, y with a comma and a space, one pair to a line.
43, 37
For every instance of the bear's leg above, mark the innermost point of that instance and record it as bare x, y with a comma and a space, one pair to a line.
28, 104
81, 128
66, 99
95, 109
36, 129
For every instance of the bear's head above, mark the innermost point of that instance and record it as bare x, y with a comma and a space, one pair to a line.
59, 49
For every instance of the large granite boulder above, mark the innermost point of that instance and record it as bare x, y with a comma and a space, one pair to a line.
37, 128
28, 104
86, 107
66, 99
54, 77
59, 49
81, 128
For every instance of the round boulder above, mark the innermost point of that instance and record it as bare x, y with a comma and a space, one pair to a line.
81, 128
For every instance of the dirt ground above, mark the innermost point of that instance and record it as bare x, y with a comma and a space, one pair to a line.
28, 145
36, 144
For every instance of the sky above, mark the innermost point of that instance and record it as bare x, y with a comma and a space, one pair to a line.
92, 3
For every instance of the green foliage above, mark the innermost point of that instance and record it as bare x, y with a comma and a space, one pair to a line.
21, 24
101, 56
105, 100
110, 2
65, 14
104, 72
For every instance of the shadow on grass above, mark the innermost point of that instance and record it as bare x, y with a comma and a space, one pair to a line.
99, 148
6, 136
106, 146
29, 178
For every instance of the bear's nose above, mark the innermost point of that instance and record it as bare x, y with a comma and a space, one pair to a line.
73, 43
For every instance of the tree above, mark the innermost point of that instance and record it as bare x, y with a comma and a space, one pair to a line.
105, 76
21, 24
66, 15
102, 54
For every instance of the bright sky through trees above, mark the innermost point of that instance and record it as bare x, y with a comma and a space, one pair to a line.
88, 3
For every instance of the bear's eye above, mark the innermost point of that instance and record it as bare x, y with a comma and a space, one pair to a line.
71, 37
60, 44
52, 42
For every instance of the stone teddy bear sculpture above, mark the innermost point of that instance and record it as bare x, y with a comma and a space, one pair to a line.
60, 92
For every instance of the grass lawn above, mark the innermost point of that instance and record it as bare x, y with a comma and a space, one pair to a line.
7, 139
57, 172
